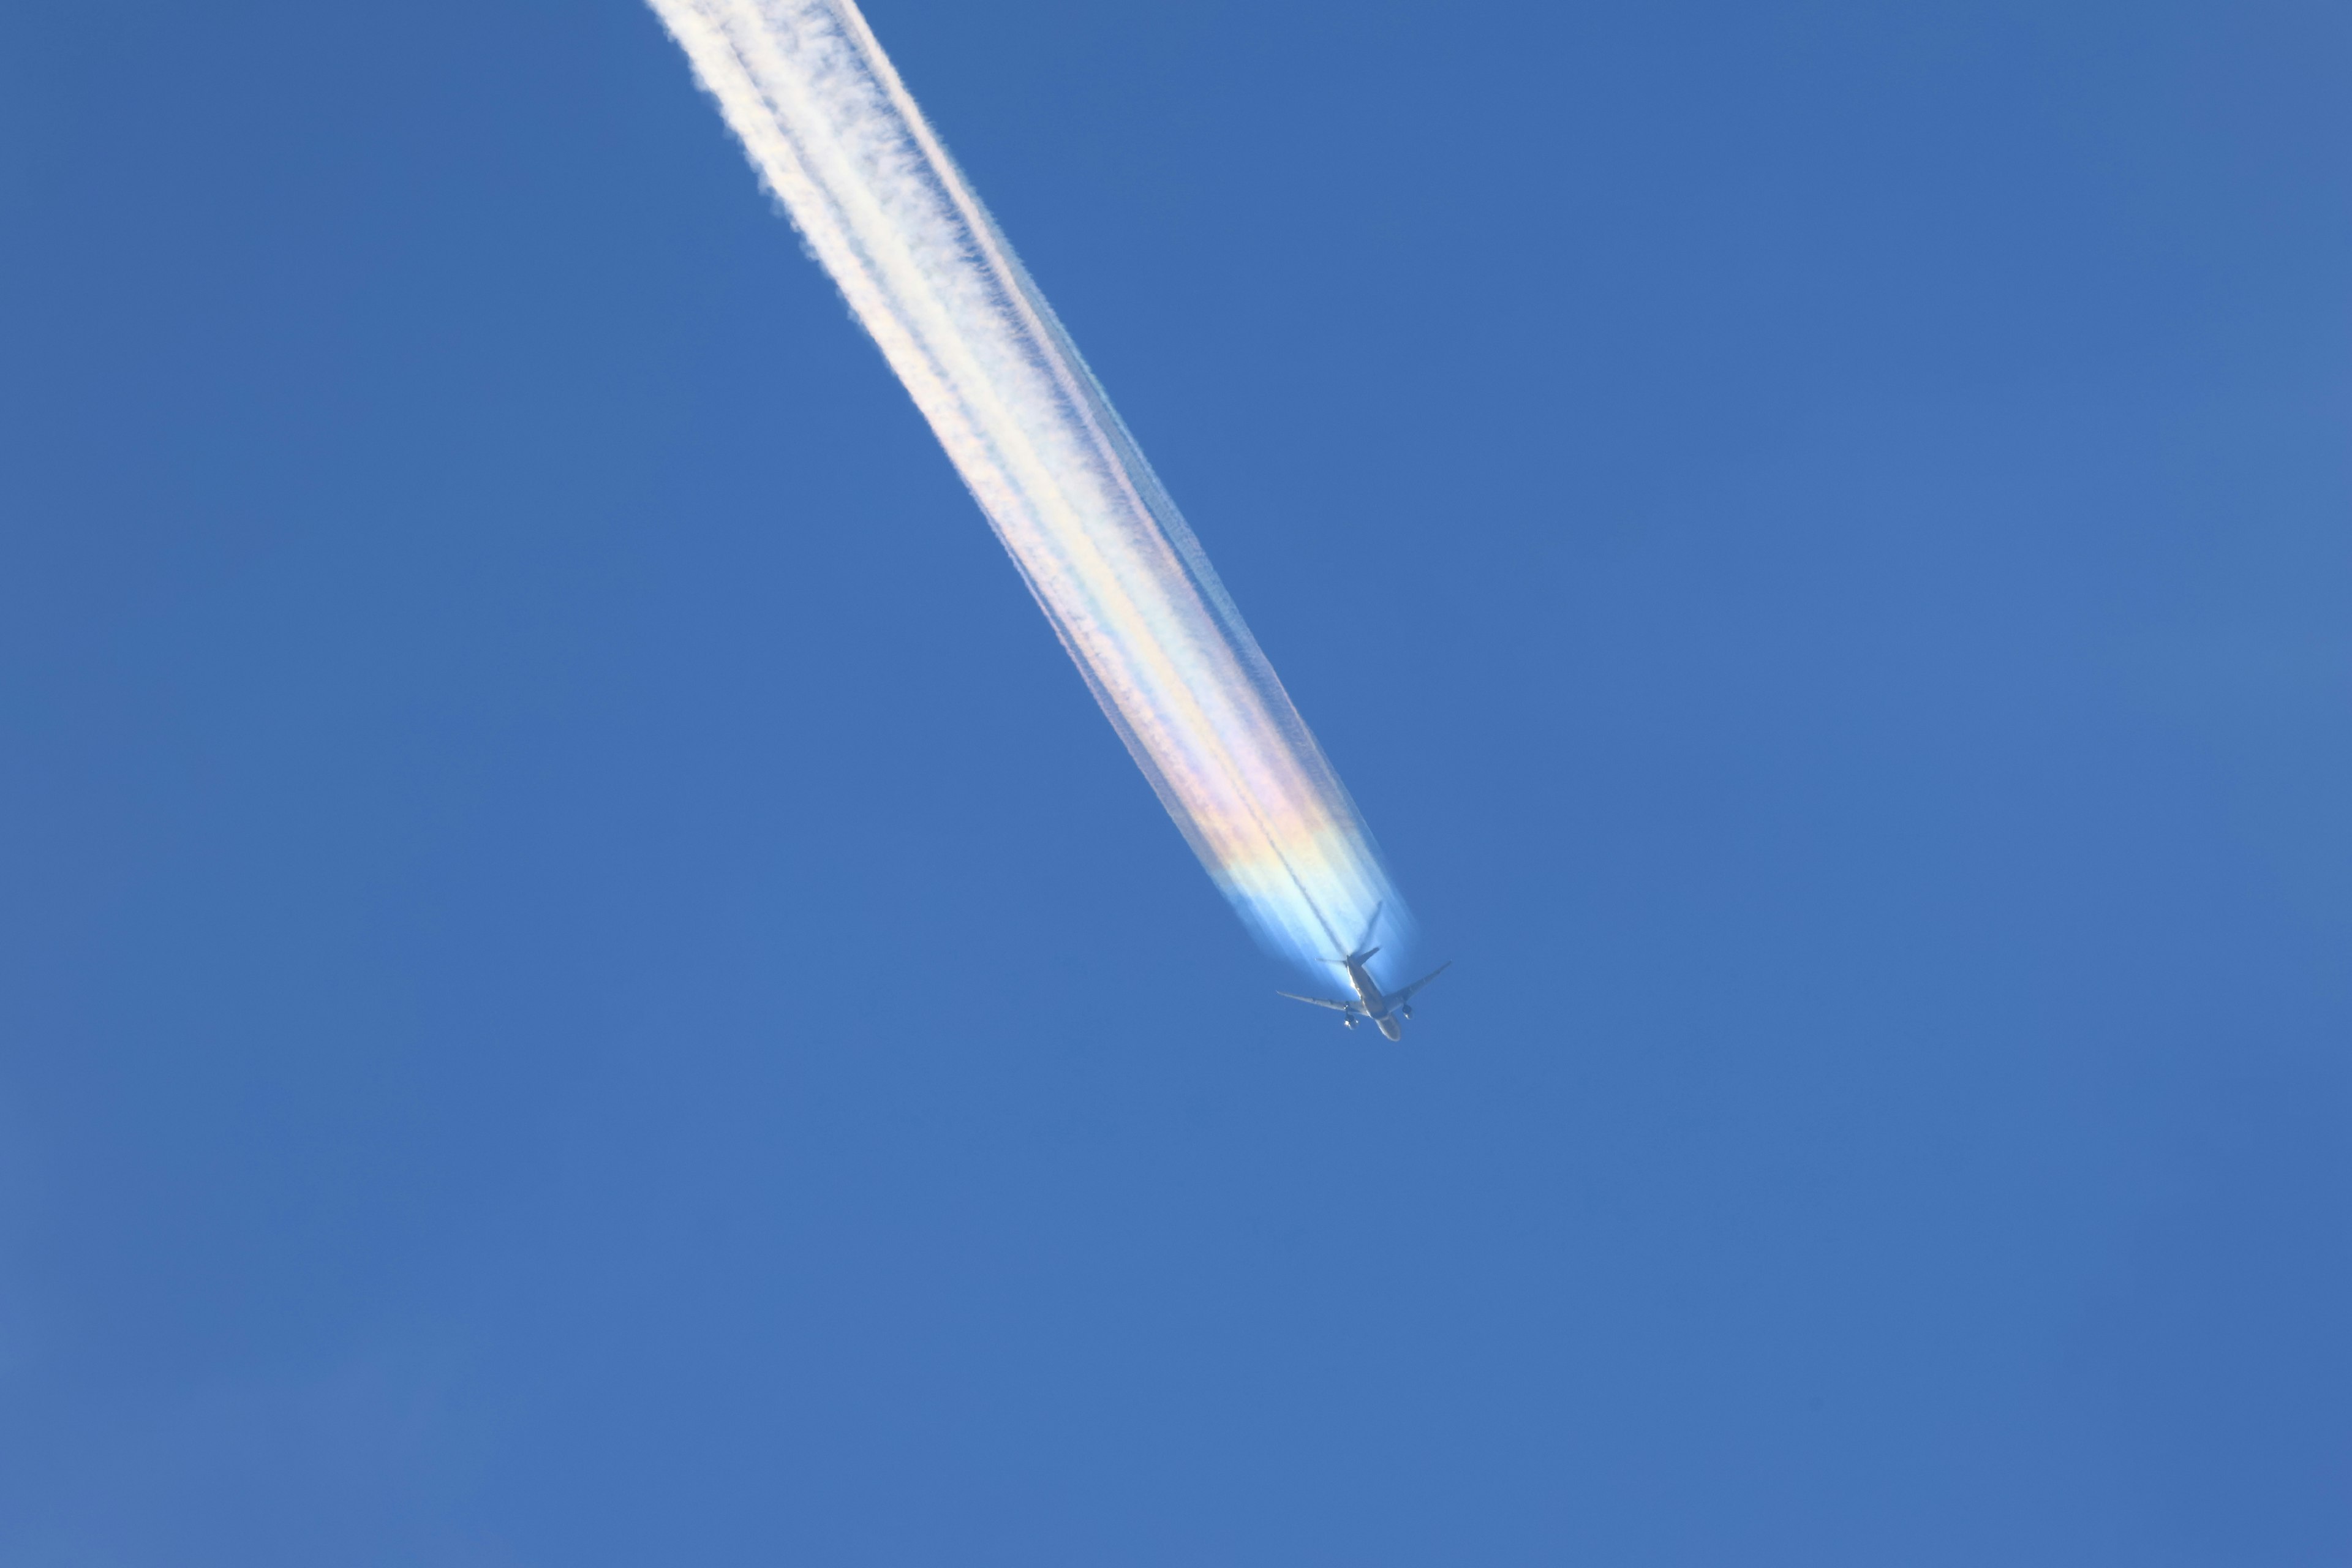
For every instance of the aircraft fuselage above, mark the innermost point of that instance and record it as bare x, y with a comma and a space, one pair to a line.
1372, 1000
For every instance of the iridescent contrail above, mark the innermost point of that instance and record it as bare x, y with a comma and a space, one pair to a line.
873, 191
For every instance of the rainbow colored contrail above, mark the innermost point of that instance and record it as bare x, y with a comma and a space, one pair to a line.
871, 188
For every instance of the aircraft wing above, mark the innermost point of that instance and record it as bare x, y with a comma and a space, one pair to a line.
1425, 979
1319, 1002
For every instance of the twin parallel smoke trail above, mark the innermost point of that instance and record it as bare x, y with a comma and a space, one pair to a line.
1110, 560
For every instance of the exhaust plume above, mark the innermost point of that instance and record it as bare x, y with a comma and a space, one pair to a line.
868, 182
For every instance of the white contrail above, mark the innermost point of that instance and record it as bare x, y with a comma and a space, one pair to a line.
872, 190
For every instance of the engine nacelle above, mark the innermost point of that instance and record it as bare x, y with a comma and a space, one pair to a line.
1405, 1011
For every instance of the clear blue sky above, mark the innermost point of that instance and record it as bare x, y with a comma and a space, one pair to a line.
584, 985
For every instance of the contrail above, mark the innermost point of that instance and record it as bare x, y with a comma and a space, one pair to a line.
872, 190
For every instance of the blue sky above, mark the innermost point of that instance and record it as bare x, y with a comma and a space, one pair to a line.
583, 984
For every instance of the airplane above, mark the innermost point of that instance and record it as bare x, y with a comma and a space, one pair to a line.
1388, 1009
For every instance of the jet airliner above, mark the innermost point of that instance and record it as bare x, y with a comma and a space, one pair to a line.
1387, 1009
